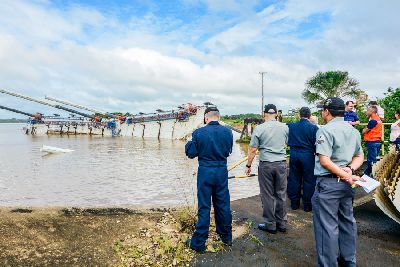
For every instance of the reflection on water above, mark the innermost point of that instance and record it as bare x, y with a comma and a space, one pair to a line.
101, 171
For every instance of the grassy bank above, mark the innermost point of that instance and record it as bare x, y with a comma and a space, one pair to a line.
130, 237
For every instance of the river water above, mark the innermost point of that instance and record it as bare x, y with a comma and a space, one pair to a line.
102, 171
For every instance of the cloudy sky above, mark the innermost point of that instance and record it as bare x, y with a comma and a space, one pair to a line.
142, 55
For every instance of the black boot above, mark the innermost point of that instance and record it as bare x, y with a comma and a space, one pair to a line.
295, 205
188, 242
263, 227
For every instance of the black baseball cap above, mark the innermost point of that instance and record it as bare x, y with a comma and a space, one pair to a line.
333, 103
211, 108
270, 109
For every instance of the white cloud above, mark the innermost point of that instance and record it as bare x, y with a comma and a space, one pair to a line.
225, 5
95, 59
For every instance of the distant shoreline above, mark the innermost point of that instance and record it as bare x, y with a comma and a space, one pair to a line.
12, 121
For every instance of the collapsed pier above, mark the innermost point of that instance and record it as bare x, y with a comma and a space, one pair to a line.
172, 124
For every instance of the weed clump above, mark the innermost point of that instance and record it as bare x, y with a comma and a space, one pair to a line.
165, 243
162, 245
187, 220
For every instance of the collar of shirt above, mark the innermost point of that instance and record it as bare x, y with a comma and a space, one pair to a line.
270, 120
213, 123
336, 119
375, 117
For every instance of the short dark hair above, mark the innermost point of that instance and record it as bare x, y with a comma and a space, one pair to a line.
336, 113
374, 108
270, 109
398, 111
211, 108
349, 101
305, 112
373, 103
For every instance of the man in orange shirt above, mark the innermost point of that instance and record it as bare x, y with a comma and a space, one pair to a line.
372, 137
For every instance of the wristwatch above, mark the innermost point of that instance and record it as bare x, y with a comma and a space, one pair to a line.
352, 170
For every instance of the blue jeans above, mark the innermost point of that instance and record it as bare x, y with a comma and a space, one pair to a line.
397, 144
373, 148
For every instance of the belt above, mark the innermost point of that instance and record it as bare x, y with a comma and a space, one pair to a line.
329, 176
334, 176
273, 161
212, 163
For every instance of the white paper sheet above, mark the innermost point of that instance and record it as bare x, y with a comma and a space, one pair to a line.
369, 185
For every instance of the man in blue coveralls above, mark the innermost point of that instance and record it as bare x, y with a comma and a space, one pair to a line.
302, 135
212, 145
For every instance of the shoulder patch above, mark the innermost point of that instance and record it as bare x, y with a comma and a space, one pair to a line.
320, 140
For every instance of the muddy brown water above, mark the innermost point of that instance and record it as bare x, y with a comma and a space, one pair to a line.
102, 171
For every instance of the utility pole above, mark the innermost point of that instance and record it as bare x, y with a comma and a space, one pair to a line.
262, 92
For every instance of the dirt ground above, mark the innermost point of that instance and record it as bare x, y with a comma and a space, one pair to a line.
378, 239
86, 237
56, 237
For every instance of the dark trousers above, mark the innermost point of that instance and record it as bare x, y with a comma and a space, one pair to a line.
212, 184
335, 228
373, 148
397, 144
272, 177
301, 174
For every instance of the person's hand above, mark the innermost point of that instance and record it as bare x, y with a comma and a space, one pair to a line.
353, 179
247, 171
348, 170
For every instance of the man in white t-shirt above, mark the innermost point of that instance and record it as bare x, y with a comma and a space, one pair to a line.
395, 131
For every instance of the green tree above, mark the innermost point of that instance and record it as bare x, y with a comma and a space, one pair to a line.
390, 103
330, 83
